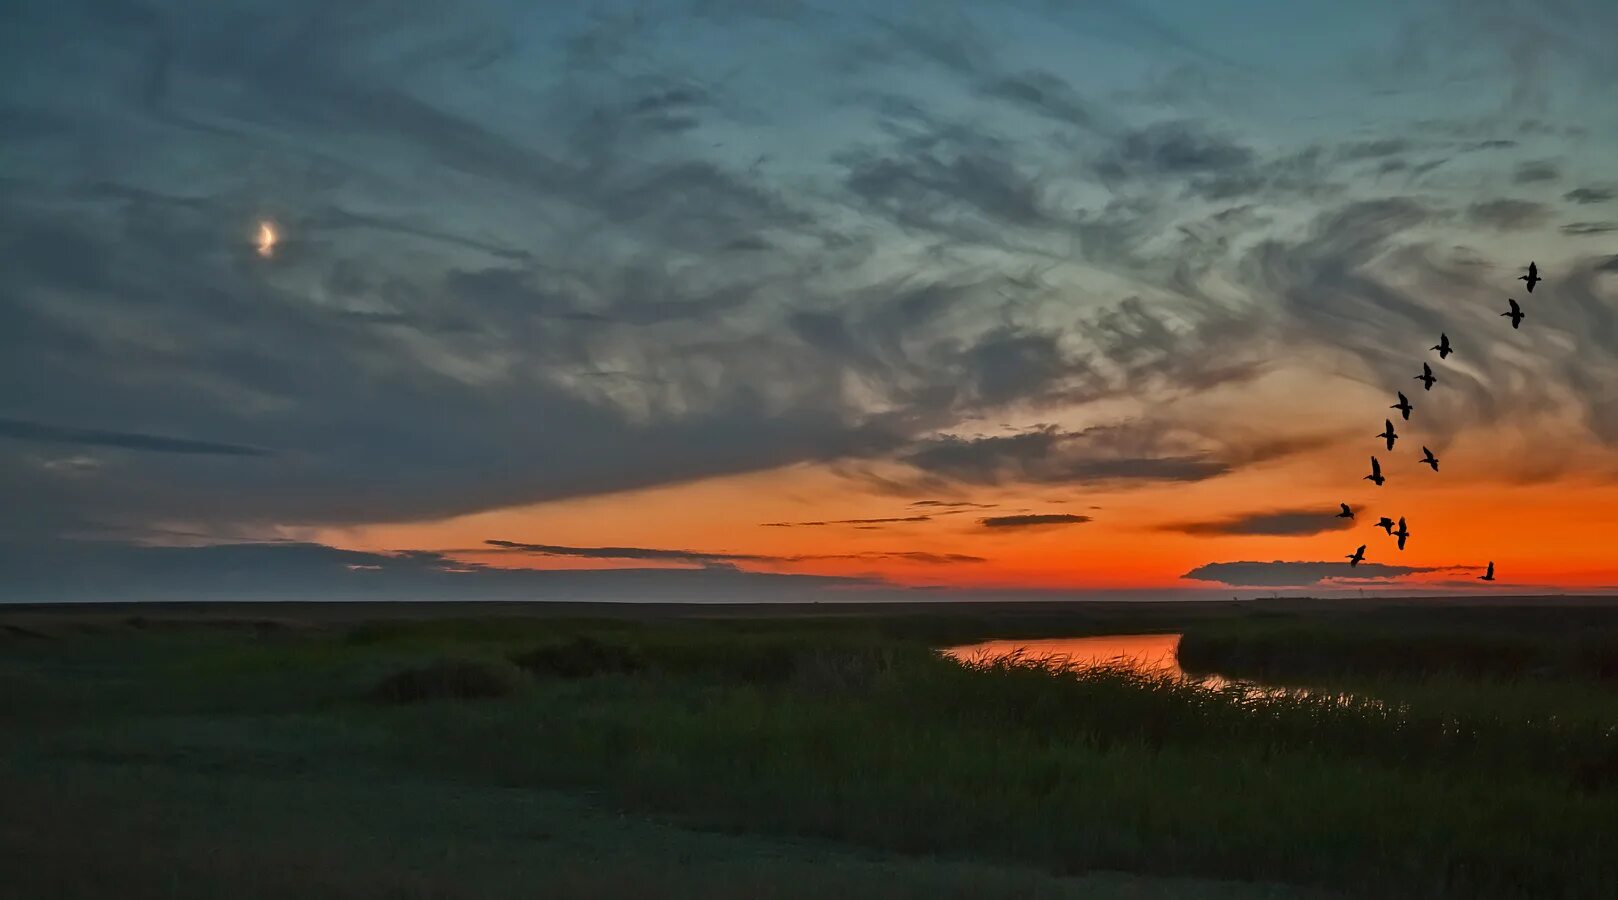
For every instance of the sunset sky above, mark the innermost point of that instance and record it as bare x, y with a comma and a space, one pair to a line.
777, 299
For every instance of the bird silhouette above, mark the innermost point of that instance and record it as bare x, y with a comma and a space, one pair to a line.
1427, 378
1346, 513
1388, 434
1386, 524
1403, 406
1489, 575
1428, 459
1376, 473
1356, 557
1402, 533
1443, 347
1515, 314
1532, 277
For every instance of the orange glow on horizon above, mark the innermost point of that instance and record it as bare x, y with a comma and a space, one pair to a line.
1545, 535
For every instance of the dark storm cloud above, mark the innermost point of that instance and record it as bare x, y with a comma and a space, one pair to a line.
1033, 520
1508, 214
1590, 194
1284, 522
1295, 574
53, 434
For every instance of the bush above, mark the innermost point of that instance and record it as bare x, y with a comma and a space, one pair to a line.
449, 680
581, 657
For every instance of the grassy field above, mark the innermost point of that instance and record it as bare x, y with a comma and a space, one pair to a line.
386, 753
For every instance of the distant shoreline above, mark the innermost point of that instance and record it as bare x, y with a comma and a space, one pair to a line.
355, 610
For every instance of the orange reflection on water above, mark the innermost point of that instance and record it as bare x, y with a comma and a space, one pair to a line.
1149, 653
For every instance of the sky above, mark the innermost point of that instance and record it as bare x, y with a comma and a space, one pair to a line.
789, 299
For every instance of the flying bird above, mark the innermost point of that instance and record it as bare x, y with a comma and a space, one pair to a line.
1386, 524
1515, 314
1403, 406
1428, 459
1376, 473
1402, 533
1532, 277
1443, 347
1427, 378
1489, 575
1346, 513
1388, 434
1356, 557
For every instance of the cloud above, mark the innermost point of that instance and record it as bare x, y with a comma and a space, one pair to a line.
879, 521
1508, 215
1044, 94
915, 556
1033, 520
1536, 171
700, 558
1375, 149
1295, 574
1278, 522
1591, 194
1361, 274
81, 571
623, 553
577, 255
1584, 228
1121, 453
953, 184
122, 440
1179, 147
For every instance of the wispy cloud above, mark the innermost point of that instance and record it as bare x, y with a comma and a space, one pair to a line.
1284, 522
1298, 574
881, 521
701, 558
123, 440
1033, 520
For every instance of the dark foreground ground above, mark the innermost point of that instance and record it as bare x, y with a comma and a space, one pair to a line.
504, 750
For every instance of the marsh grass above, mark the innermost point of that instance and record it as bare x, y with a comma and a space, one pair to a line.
1409, 786
449, 679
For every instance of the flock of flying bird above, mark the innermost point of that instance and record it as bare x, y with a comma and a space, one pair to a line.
1389, 435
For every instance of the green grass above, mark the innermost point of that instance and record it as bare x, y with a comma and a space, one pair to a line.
786, 758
